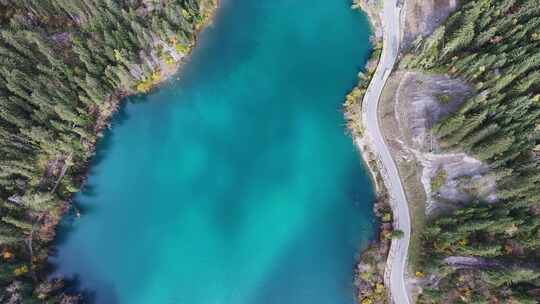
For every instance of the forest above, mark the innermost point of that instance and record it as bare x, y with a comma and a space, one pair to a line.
481, 252
64, 67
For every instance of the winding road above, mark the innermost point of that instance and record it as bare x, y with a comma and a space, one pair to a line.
397, 257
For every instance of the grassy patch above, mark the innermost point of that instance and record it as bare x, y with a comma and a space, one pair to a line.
439, 179
411, 172
149, 82
443, 98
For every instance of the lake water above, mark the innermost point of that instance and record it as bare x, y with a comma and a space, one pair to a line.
235, 183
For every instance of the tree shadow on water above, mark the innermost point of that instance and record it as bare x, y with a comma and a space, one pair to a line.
107, 295
105, 143
107, 292
69, 222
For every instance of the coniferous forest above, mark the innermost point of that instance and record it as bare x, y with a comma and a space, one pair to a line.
494, 45
64, 66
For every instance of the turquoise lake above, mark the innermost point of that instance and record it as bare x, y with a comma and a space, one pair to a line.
235, 181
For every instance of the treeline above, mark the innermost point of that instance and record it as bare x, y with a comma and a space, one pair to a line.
64, 65
495, 46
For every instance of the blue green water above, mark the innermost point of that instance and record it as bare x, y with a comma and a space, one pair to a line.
235, 183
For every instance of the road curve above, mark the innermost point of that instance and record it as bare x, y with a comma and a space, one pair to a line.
397, 257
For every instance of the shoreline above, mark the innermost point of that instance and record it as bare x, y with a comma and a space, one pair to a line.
104, 120
369, 268
372, 270
380, 242
384, 227
361, 142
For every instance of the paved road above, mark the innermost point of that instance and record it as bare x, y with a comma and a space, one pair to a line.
397, 258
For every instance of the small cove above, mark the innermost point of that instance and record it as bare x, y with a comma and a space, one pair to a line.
234, 182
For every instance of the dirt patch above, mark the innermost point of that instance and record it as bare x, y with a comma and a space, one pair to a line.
449, 179
421, 17
463, 180
426, 99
